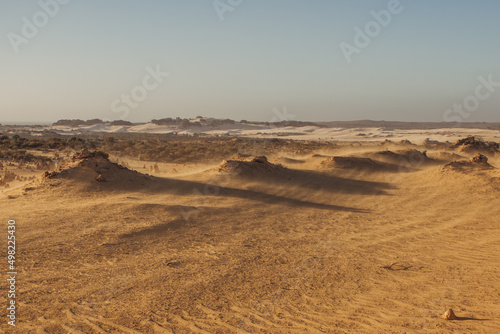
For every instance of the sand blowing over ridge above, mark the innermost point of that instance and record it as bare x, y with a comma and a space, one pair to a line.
89, 168
252, 167
353, 246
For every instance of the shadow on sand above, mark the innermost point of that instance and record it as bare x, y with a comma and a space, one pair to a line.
292, 187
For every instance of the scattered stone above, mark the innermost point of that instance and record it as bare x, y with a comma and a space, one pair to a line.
241, 157
50, 175
85, 154
261, 160
479, 159
449, 315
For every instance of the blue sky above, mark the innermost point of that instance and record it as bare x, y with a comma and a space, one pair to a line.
263, 55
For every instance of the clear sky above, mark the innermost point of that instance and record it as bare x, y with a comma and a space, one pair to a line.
83, 59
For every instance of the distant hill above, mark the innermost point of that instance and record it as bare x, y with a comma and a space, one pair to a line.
408, 125
79, 122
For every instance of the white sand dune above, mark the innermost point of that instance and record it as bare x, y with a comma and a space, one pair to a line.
300, 133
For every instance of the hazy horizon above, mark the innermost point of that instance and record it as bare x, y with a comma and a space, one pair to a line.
244, 60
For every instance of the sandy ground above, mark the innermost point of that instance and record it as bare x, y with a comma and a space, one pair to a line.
307, 249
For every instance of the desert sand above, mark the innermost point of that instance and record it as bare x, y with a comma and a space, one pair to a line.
351, 238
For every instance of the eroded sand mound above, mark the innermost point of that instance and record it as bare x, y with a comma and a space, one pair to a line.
351, 163
251, 167
412, 157
287, 161
445, 156
479, 161
95, 167
473, 145
432, 143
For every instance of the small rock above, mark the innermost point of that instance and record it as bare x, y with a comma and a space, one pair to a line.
261, 159
479, 159
449, 315
50, 175
100, 178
